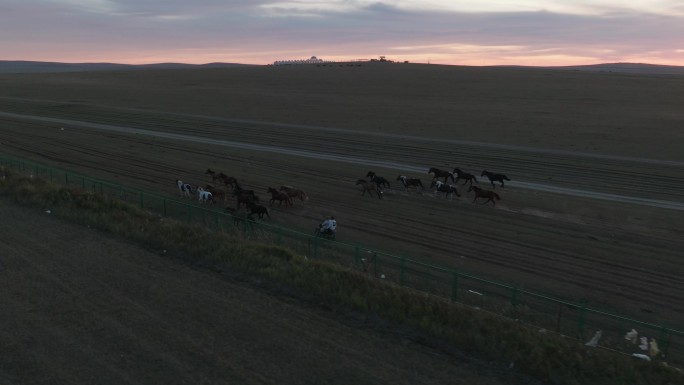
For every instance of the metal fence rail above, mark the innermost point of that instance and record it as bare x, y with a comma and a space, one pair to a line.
576, 320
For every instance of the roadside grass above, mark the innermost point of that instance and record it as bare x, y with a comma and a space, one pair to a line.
546, 356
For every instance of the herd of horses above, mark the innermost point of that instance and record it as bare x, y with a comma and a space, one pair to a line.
248, 199
375, 184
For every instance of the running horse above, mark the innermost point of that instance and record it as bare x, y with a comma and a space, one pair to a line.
380, 181
185, 189
410, 182
369, 187
213, 174
468, 177
294, 193
279, 196
244, 196
494, 177
227, 180
441, 174
205, 196
259, 210
482, 193
217, 194
447, 189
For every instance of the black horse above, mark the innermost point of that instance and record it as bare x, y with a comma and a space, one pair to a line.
380, 181
410, 182
447, 189
258, 209
244, 196
493, 177
441, 174
482, 193
468, 177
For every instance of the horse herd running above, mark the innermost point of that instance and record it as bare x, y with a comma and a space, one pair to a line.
372, 184
243, 197
376, 184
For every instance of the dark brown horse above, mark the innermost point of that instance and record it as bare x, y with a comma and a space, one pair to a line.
214, 176
369, 187
295, 193
244, 196
380, 181
227, 180
441, 174
240, 217
482, 193
279, 196
410, 182
468, 177
494, 177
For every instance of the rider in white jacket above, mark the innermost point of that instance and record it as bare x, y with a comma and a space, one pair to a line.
329, 226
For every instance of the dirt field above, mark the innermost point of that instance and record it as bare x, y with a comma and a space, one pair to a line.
79, 307
593, 209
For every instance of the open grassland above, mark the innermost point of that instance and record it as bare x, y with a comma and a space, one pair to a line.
88, 308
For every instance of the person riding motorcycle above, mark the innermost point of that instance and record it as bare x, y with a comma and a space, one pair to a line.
328, 227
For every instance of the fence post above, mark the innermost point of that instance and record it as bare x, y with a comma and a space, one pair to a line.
560, 314
664, 340
375, 265
315, 247
402, 271
454, 286
581, 320
514, 296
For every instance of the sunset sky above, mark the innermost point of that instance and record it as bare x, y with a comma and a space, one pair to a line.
469, 32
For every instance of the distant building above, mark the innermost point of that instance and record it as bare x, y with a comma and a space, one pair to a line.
312, 60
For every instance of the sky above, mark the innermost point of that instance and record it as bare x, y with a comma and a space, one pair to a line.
450, 32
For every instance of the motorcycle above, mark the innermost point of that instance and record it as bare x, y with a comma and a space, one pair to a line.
327, 234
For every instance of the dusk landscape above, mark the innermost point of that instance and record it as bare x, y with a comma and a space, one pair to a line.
507, 178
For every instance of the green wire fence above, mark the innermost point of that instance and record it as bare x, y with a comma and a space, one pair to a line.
576, 320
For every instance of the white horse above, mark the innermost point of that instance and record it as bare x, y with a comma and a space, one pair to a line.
204, 196
185, 189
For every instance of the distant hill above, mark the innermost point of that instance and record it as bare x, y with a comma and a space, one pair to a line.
20, 66
641, 68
